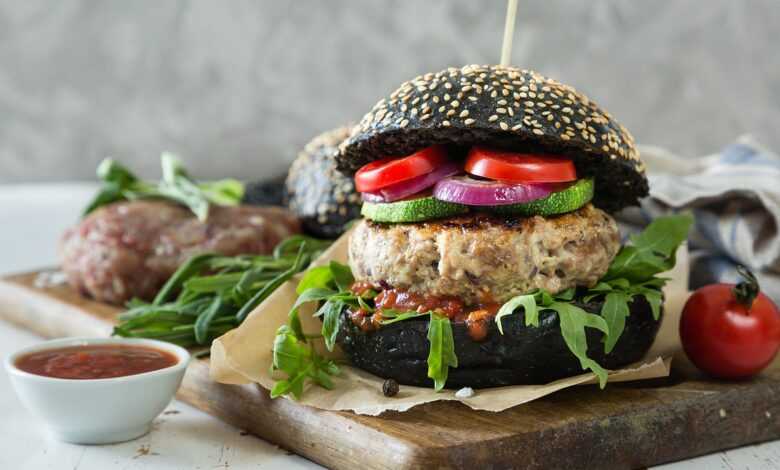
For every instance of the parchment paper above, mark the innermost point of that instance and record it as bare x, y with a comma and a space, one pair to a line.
243, 355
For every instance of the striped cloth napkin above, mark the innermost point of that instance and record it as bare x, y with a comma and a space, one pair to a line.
735, 197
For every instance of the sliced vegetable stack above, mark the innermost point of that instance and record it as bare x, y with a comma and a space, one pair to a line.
428, 184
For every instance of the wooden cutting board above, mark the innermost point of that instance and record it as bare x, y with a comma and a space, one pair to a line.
625, 426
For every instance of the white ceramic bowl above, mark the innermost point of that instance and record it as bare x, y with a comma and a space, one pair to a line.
98, 411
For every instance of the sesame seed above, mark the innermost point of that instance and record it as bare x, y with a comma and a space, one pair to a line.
442, 108
469, 121
493, 118
503, 125
451, 112
404, 123
455, 103
516, 127
445, 123
502, 102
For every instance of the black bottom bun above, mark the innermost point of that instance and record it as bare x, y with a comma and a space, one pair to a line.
522, 355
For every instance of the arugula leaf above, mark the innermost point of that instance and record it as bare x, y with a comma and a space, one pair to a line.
441, 355
299, 361
573, 322
331, 321
615, 311
528, 302
119, 184
320, 277
342, 276
655, 299
395, 317
652, 251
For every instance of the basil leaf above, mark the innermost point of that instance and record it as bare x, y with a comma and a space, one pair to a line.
528, 302
573, 321
320, 277
342, 275
614, 310
652, 251
331, 321
441, 355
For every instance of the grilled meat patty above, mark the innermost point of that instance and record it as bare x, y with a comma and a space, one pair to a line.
481, 258
129, 249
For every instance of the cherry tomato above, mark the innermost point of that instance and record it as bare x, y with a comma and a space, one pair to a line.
513, 167
387, 171
730, 332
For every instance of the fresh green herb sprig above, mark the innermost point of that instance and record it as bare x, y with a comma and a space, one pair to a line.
211, 294
329, 286
632, 273
119, 184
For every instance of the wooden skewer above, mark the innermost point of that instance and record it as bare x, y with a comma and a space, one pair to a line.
509, 30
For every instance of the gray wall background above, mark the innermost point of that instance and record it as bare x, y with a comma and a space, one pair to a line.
236, 87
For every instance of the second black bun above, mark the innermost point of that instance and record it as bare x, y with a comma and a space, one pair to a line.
522, 355
503, 107
324, 199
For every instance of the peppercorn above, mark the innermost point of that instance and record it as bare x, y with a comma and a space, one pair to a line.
390, 388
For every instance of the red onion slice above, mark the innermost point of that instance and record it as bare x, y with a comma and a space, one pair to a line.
473, 192
412, 186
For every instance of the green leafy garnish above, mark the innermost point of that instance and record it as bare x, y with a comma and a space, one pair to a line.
297, 359
441, 355
632, 273
210, 294
573, 321
120, 184
528, 302
651, 251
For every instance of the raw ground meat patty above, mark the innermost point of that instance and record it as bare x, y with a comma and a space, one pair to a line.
486, 259
129, 249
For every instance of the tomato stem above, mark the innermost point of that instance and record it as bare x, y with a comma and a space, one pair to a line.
747, 290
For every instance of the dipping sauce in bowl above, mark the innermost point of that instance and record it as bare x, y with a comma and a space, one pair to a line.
95, 361
97, 390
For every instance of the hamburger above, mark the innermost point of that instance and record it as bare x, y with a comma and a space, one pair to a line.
323, 198
488, 255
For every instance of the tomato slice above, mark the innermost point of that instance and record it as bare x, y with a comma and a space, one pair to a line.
388, 171
513, 167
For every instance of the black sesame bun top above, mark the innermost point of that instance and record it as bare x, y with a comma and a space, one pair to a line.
324, 199
503, 107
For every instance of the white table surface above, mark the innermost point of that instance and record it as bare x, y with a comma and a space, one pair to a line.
31, 219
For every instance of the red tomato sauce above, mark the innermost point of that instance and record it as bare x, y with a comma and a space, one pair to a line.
477, 318
96, 361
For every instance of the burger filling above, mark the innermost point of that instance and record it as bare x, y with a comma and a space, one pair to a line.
477, 242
